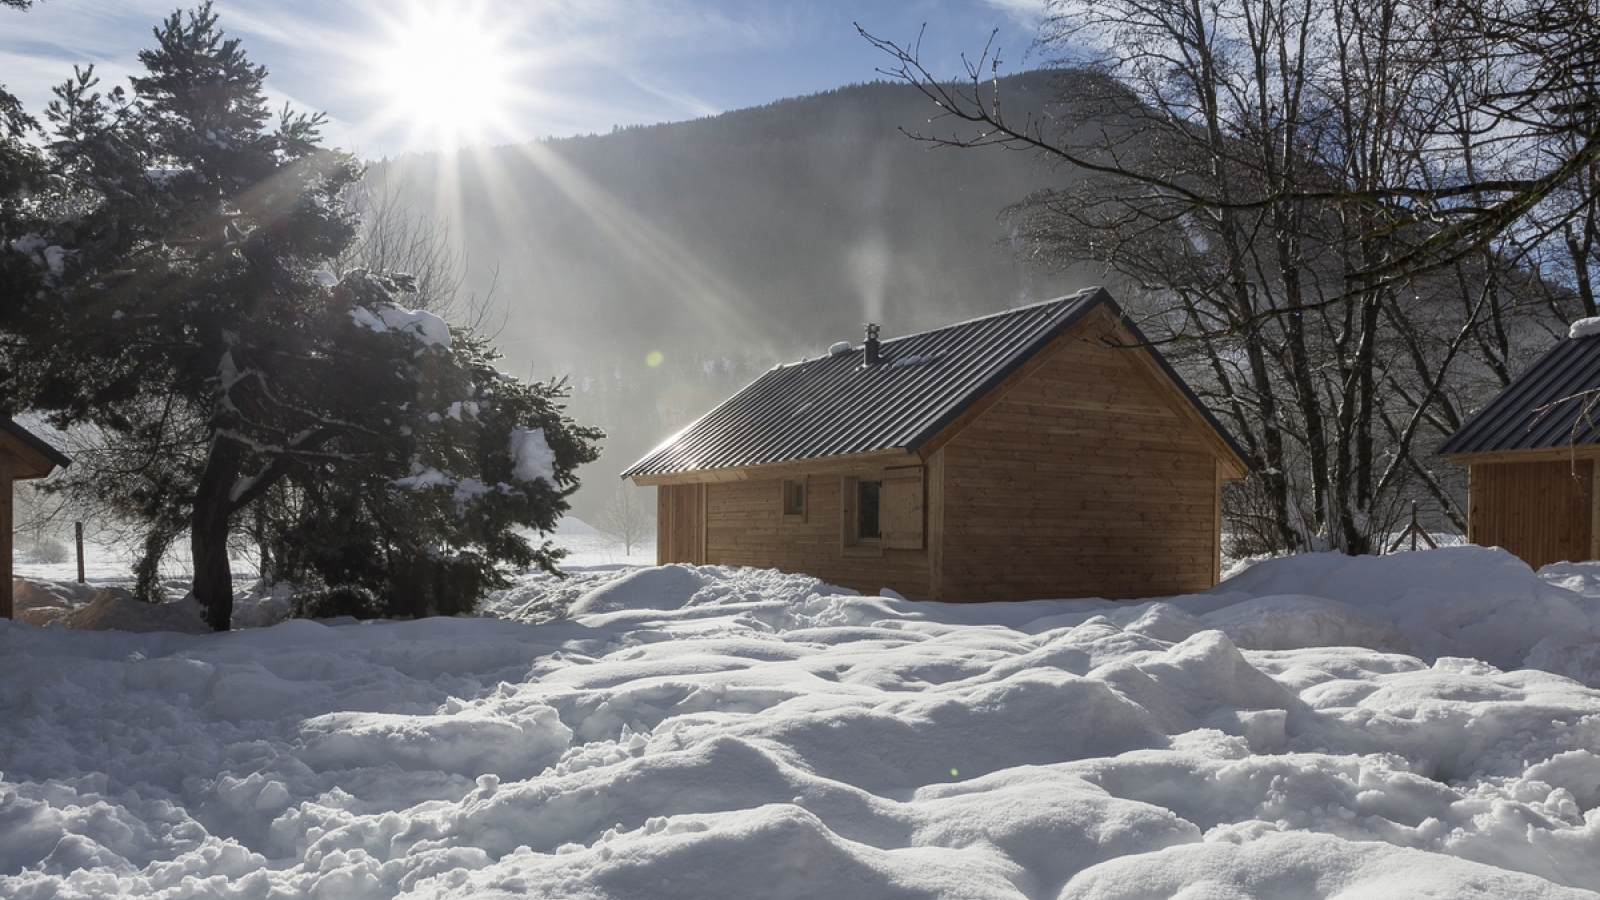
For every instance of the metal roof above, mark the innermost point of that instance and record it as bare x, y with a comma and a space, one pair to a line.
835, 406
1541, 408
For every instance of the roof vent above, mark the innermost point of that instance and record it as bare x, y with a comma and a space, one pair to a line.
869, 348
840, 348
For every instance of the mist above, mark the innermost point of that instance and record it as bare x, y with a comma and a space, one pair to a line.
662, 268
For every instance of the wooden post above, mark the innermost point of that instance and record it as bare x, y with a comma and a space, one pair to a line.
79, 529
1414, 531
6, 524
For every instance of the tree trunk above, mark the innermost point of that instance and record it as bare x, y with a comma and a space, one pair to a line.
208, 534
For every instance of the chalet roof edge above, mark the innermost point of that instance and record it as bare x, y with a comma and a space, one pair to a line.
1009, 311
34, 442
1526, 415
766, 421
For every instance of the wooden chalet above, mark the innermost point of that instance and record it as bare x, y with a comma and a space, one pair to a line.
22, 455
1532, 455
1045, 451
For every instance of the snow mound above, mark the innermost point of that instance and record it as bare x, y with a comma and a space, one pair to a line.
694, 732
116, 608
1454, 601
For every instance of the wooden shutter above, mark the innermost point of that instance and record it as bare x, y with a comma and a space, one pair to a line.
900, 510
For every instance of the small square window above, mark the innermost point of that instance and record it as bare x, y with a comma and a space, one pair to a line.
794, 498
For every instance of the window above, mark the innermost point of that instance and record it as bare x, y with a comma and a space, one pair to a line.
861, 514
867, 495
882, 510
794, 499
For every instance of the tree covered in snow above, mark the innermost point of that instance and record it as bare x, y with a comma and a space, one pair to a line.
184, 309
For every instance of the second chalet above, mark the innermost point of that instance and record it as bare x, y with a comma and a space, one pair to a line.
1045, 451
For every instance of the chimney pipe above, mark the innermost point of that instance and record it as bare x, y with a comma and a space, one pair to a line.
869, 347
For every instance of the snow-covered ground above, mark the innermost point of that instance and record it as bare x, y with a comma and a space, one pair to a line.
1317, 727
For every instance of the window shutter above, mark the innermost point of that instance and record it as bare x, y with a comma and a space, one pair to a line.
900, 513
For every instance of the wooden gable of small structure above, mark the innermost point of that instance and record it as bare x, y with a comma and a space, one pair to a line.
22, 456
1046, 451
1532, 456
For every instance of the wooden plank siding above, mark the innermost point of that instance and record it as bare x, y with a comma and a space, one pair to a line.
1543, 512
7, 592
680, 524
1086, 472
745, 526
1082, 481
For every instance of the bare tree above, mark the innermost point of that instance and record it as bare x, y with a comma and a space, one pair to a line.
396, 236
629, 519
1280, 183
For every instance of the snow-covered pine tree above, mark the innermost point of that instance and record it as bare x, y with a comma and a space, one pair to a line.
187, 311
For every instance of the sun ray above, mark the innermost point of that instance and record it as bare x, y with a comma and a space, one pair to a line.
445, 75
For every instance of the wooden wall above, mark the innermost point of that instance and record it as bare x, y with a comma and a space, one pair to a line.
1082, 481
1541, 511
745, 526
6, 545
1090, 477
680, 524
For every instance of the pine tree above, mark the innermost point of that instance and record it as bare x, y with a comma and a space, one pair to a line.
188, 313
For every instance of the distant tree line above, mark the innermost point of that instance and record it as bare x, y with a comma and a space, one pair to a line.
1347, 221
180, 297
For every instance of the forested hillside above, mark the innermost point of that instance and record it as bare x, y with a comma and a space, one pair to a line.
663, 267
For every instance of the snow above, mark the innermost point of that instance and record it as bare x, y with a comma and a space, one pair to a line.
428, 328
1584, 328
1316, 727
531, 456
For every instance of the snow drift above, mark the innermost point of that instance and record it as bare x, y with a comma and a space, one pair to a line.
1318, 727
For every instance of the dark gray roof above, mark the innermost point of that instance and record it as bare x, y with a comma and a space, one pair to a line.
833, 406
1513, 420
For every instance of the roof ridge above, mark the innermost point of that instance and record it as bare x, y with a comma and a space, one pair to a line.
834, 405
1063, 299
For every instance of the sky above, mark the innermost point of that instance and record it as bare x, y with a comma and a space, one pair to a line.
397, 76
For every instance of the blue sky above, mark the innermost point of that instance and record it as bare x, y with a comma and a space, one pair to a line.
393, 76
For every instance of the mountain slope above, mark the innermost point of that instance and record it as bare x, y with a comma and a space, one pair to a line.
718, 247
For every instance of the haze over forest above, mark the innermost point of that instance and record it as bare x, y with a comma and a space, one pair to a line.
663, 267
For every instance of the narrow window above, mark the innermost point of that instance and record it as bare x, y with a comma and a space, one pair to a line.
867, 493
861, 514
794, 498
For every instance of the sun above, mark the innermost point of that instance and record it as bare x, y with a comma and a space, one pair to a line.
445, 74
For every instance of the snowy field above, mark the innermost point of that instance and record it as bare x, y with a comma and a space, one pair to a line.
1317, 727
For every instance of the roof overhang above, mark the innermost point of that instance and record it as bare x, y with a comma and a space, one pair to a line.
822, 465
1573, 452
30, 457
